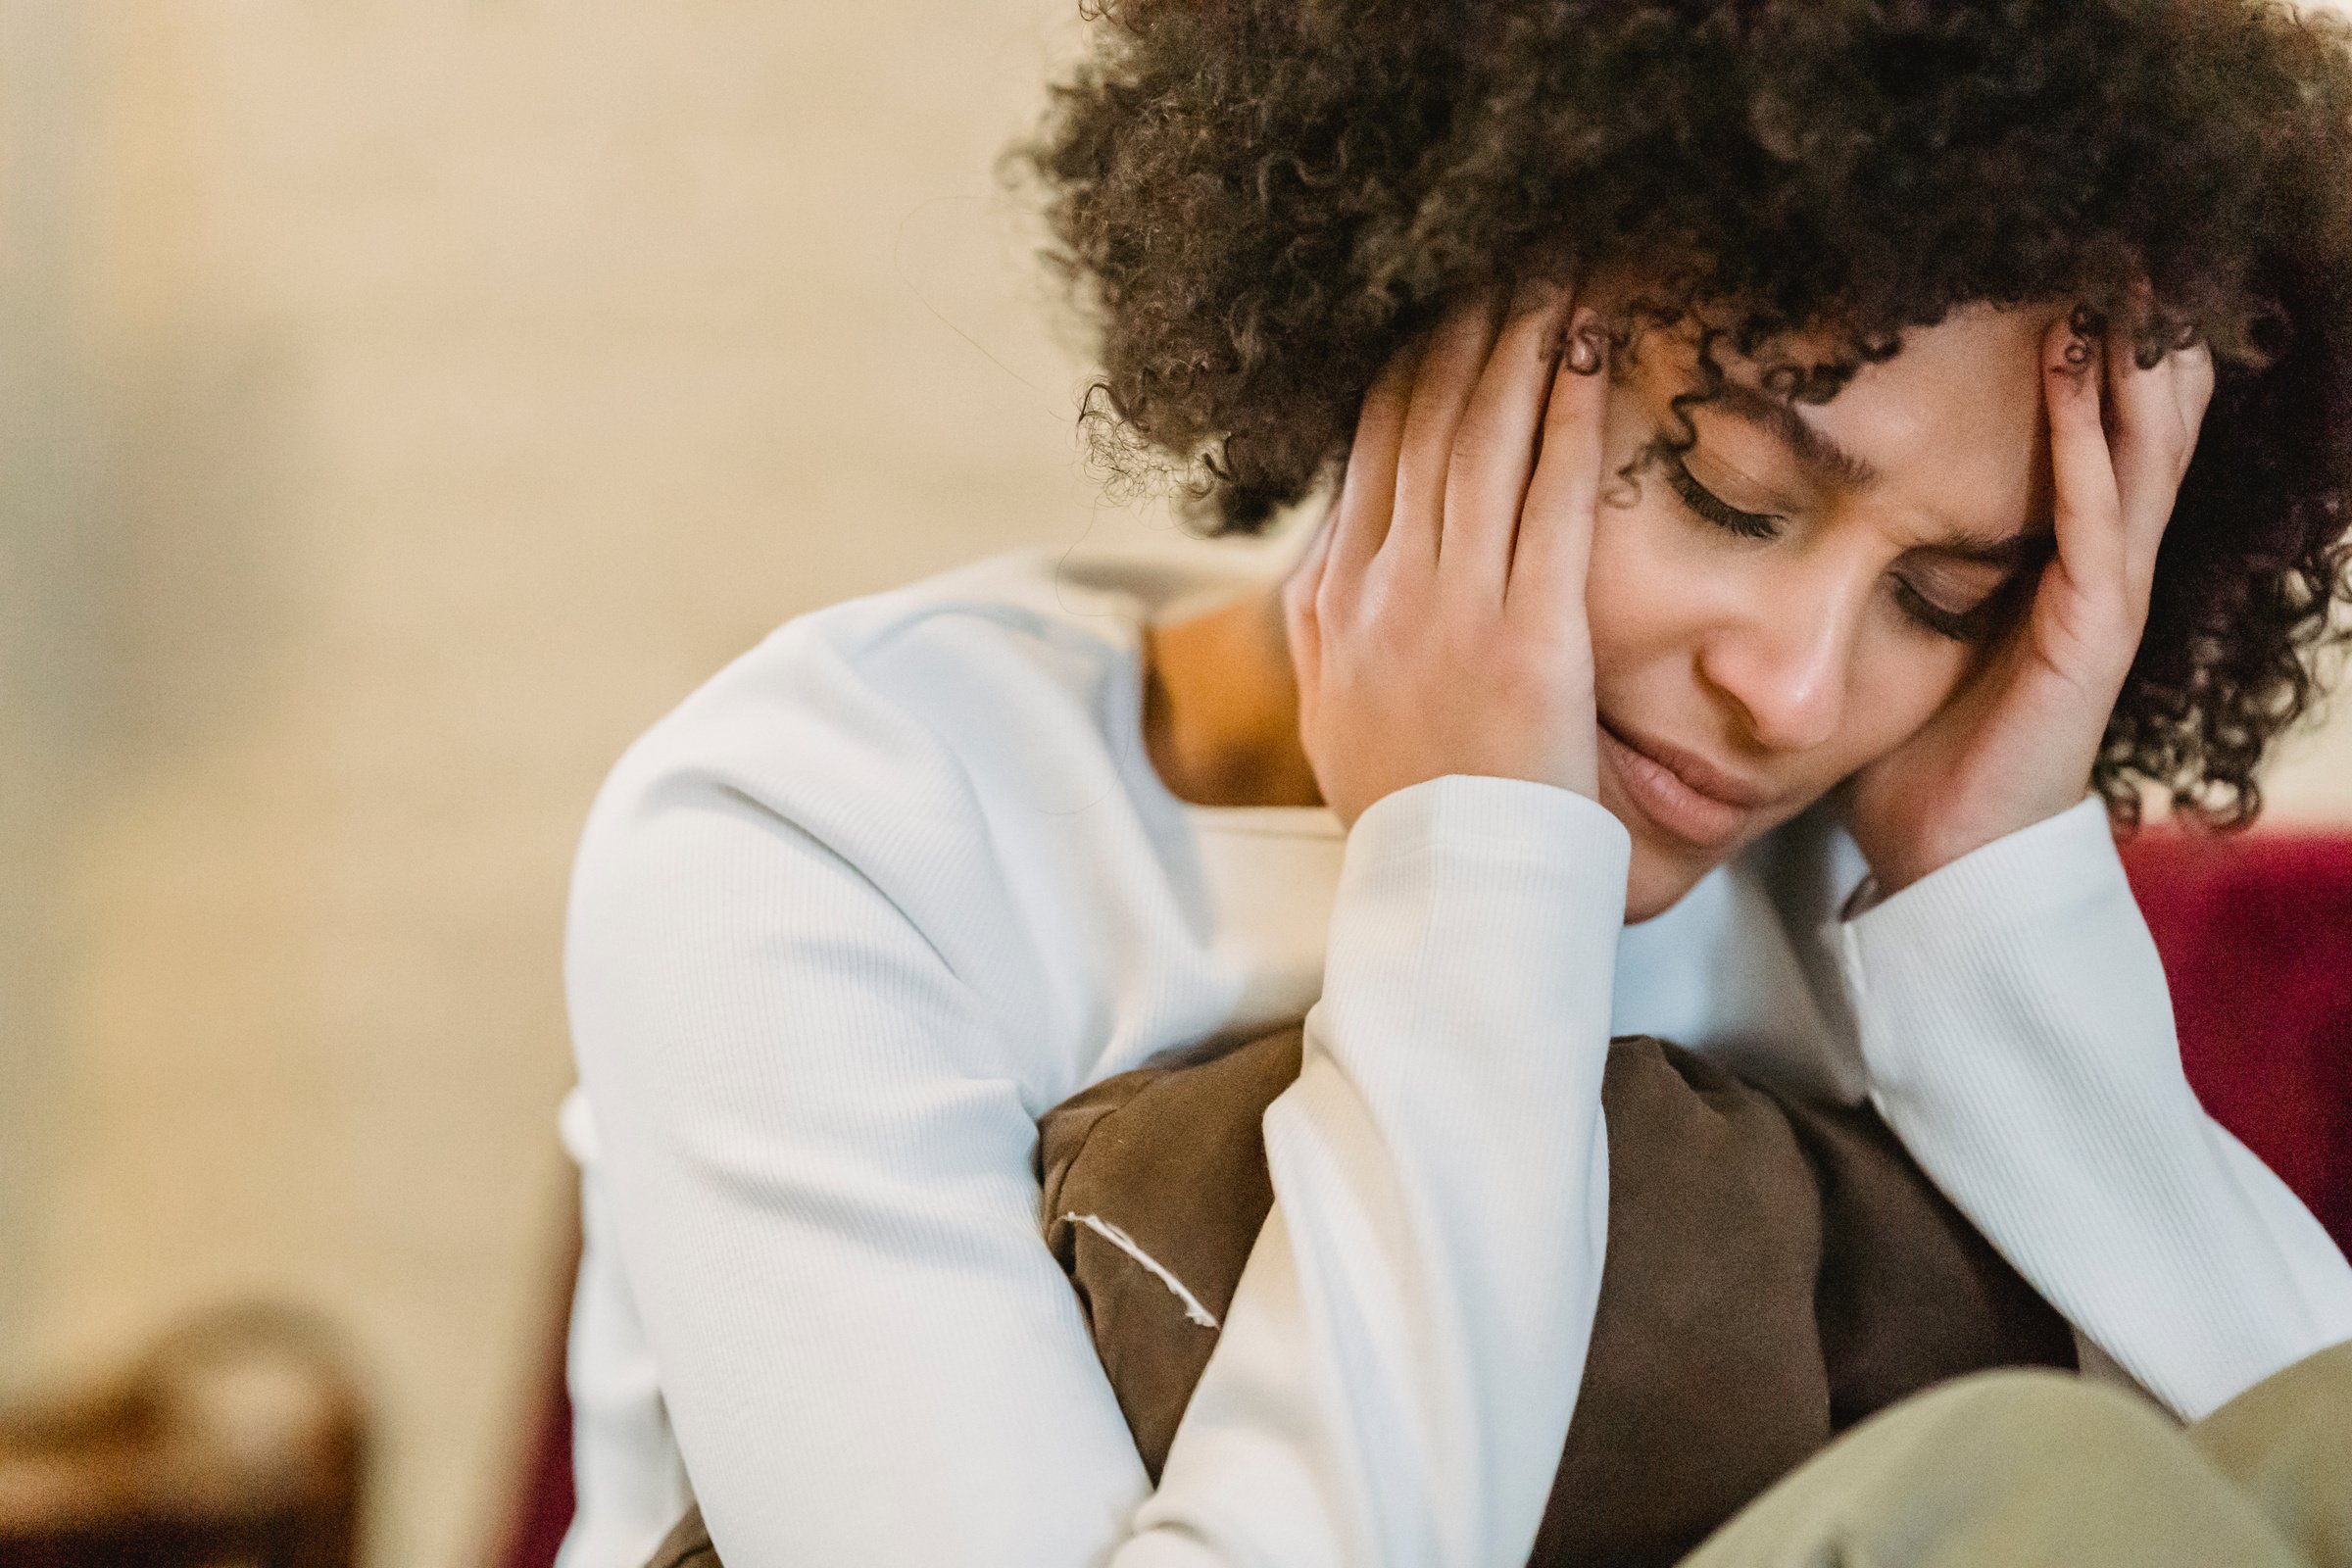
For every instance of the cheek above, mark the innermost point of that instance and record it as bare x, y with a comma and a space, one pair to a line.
1901, 682
1657, 595
1629, 593
1657, 582
1644, 584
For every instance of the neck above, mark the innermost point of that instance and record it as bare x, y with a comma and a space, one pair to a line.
1221, 707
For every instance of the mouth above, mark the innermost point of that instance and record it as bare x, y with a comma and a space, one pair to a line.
1682, 793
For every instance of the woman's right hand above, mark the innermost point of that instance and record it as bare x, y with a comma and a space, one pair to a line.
1437, 623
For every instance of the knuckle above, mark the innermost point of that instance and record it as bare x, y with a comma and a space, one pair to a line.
1330, 603
1380, 608
1299, 616
1475, 446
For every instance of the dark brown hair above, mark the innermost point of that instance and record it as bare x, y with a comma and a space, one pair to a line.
1258, 201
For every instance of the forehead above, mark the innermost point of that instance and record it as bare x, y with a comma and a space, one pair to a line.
1952, 430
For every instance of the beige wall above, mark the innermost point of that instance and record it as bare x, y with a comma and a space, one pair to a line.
460, 381
472, 379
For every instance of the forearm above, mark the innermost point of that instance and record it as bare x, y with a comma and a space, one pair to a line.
2019, 1035
1402, 1353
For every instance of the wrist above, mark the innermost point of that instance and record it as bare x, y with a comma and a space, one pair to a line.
1900, 859
1890, 874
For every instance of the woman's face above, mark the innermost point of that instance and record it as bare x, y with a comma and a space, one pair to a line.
1813, 587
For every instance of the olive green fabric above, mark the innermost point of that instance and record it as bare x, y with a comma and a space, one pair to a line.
2030, 1469
2023, 1469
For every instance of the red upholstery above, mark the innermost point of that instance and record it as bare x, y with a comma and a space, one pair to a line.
540, 1507
543, 1501
2256, 933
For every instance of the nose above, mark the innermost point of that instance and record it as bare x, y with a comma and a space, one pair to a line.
1783, 658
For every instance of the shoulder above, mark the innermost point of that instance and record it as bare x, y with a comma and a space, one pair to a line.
812, 818
890, 698
929, 742
1017, 677
913, 794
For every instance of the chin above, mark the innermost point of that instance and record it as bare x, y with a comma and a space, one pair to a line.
1655, 882
1663, 868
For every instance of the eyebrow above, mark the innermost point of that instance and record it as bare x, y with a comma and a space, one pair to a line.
1822, 457
1833, 465
2018, 549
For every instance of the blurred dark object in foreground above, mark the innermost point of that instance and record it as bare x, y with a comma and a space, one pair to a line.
2256, 936
235, 1440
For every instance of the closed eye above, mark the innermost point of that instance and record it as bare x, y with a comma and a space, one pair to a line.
1975, 624
1972, 625
1712, 507
1961, 626
2021, 560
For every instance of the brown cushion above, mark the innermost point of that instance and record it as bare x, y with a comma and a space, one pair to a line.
1775, 1271
688, 1543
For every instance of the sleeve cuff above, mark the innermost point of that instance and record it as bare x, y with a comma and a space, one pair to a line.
1477, 810
2033, 937
2057, 864
1481, 911
2017, 1033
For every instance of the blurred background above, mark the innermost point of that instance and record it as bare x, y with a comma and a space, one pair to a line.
402, 405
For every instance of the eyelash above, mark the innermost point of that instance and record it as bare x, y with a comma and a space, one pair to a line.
1712, 507
1971, 628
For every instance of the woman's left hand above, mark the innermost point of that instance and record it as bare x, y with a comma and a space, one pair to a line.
2015, 744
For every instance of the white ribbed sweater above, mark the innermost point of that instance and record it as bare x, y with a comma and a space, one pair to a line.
901, 878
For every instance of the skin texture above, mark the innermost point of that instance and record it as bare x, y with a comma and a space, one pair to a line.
1568, 583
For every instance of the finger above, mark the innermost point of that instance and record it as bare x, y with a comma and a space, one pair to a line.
2192, 392
2145, 441
1300, 624
2088, 520
1495, 450
2195, 386
1457, 353
2153, 439
1554, 544
2160, 412
1306, 577
1368, 486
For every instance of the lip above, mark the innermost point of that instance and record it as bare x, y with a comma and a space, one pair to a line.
1681, 792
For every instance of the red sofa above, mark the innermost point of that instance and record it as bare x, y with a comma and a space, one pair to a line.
2256, 933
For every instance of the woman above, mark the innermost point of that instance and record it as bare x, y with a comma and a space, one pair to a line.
1777, 442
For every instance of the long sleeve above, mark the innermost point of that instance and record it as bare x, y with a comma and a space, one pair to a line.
816, 1126
627, 1481
2018, 1033
1402, 1353
817, 1159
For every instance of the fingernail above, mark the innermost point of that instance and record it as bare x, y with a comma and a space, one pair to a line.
1587, 346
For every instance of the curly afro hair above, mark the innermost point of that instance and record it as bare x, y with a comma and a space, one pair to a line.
1257, 201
